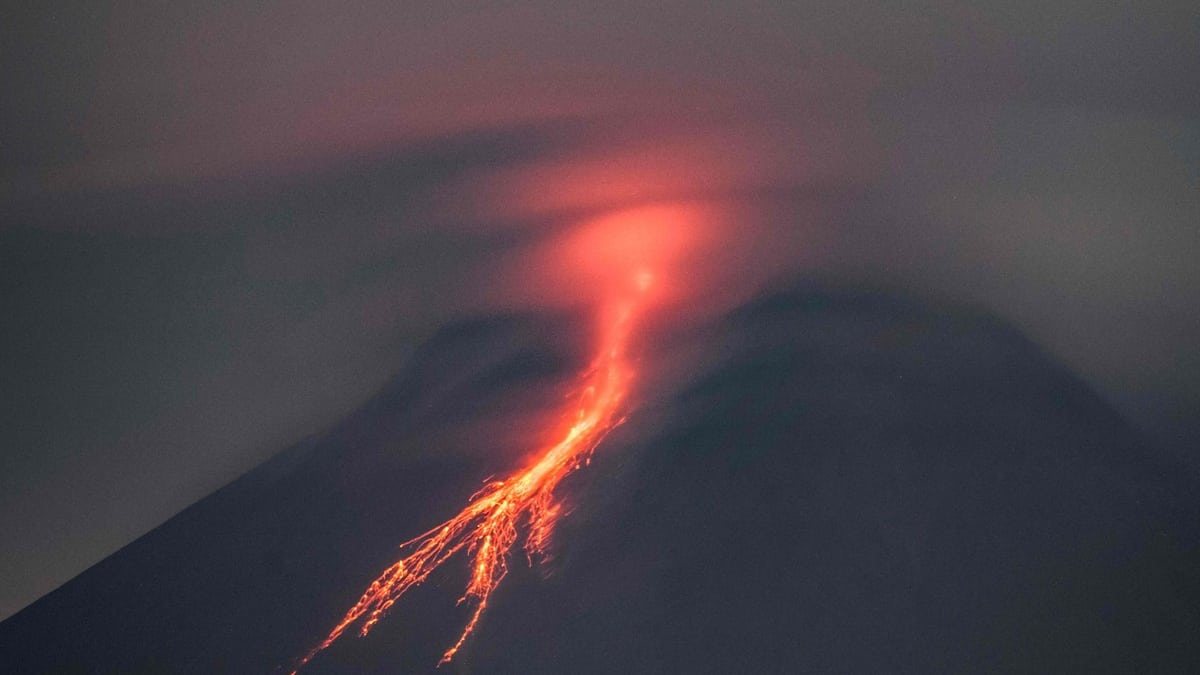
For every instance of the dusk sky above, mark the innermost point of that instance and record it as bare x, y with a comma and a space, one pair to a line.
224, 225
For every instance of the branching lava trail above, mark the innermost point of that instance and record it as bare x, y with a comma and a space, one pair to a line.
487, 528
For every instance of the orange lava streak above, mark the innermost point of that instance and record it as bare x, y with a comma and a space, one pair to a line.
487, 528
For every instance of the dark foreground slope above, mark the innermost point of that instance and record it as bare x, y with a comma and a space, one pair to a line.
861, 485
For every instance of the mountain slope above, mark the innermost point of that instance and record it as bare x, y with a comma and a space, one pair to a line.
859, 484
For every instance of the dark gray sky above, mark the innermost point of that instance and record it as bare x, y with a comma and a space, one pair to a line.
222, 225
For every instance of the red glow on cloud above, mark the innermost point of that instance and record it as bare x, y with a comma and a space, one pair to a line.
634, 249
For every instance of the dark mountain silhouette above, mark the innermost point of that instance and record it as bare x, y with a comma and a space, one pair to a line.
860, 484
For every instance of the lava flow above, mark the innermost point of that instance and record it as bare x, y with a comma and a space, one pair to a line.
487, 528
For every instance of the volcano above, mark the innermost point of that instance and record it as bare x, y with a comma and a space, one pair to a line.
853, 482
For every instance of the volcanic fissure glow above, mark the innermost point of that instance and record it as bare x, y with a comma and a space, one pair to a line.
487, 529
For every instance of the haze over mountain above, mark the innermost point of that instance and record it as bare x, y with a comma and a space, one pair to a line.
223, 225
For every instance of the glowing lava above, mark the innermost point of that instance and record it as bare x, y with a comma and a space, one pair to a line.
487, 529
